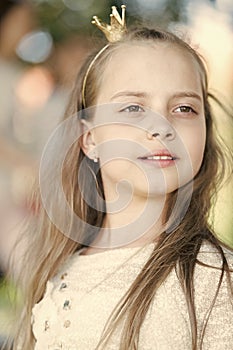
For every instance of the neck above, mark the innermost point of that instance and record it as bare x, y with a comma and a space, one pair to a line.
139, 222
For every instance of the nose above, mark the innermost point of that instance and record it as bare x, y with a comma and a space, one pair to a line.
167, 133
159, 127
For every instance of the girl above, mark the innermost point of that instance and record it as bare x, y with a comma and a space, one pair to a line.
121, 254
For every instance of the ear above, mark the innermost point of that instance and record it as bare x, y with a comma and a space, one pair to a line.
87, 140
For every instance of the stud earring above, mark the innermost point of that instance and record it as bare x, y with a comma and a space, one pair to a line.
95, 160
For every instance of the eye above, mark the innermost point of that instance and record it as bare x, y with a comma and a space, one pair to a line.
133, 109
185, 109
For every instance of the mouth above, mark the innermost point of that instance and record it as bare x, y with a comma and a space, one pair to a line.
160, 158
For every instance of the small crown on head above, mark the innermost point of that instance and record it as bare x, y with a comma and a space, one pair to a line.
117, 27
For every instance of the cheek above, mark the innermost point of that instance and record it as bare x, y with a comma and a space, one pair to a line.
118, 148
196, 154
122, 169
116, 141
194, 141
116, 131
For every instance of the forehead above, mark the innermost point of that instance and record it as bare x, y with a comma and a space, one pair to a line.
154, 67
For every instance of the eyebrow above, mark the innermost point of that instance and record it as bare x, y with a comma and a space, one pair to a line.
129, 93
139, 94
187, 94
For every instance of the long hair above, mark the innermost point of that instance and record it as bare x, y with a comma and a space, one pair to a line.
49, 247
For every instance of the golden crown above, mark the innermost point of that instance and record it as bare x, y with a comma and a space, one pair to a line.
117, 27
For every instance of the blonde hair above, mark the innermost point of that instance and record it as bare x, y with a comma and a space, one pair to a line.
49, 247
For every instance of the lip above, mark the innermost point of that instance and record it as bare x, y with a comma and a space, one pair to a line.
150, 158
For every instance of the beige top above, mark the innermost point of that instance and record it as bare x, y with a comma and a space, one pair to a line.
80, 298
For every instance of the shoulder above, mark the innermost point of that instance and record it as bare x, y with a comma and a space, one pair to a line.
213, 295
212, 282
211, 266
212, 257
57, 283
49, 314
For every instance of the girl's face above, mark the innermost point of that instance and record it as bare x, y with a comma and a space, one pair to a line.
149, 128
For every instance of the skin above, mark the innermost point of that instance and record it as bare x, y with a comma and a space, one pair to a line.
150, 103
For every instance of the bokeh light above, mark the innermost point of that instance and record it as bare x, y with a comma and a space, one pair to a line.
35, 47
